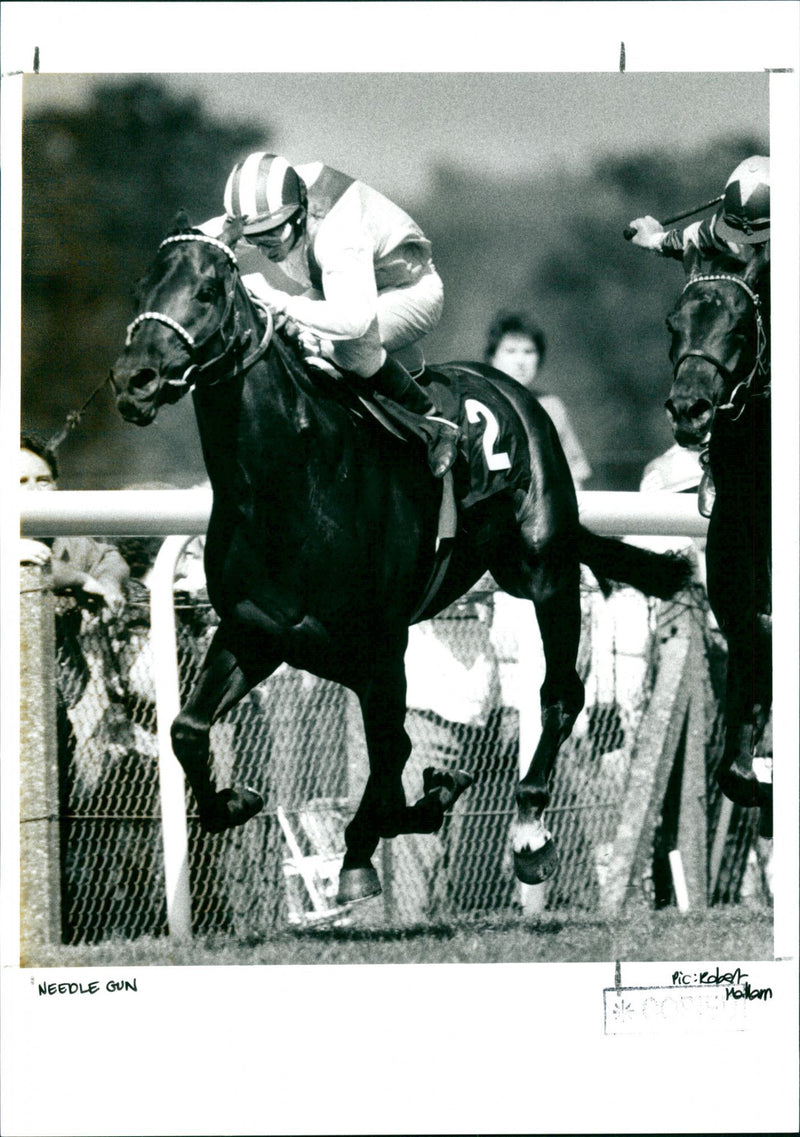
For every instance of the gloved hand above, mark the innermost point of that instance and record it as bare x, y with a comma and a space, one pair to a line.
310, 341
649, 233
256, 284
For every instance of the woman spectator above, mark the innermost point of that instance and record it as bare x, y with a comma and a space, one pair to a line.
517, 346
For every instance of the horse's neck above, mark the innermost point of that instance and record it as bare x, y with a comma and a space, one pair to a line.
740, 451
259, 428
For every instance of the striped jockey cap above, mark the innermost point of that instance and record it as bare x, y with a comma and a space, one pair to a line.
744, 218
264, 191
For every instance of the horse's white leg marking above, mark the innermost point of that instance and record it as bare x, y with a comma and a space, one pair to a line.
530, 835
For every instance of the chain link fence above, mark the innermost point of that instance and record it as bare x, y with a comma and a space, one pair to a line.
298, 741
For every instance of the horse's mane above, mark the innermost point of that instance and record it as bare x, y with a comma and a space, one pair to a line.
179, 226
291, 352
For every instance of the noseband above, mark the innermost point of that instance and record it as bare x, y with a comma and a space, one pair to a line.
234, 341
743, 389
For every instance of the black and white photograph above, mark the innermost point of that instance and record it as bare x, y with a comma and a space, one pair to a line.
396, 736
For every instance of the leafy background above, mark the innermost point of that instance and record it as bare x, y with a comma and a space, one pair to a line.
102, 181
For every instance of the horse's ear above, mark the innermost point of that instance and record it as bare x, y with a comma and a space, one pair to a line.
691, 260
231, 231
754, 267
181, 223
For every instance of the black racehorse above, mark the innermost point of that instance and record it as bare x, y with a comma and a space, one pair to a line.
720, 399
321, 545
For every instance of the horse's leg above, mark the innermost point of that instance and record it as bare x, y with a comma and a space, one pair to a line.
739, 589
748, 698
383, 811
552, 581
233, 666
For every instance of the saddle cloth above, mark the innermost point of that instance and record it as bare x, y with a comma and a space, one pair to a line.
493, 451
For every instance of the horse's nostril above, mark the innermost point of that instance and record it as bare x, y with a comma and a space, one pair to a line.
670, 409
142, 379
699, 409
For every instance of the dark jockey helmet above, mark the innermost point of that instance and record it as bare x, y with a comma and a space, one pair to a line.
744, 217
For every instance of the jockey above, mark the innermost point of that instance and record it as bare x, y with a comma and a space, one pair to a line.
369, 283
729, 240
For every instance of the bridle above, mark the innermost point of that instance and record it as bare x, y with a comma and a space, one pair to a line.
744, 388
228, 363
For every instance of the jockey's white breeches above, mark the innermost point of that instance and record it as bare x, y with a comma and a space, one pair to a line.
404, 316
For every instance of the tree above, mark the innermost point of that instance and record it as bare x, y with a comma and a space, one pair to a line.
101, 185
553, 247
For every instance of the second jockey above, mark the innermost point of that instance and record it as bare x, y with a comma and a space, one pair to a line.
729, 240
736, 236
369, 283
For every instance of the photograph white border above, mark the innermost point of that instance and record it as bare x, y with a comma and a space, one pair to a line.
485, 1049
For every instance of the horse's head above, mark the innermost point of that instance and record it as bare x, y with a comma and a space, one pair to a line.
187, 325
717, 346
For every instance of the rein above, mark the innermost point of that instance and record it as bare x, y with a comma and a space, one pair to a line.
237, 340
738, 396
73, 418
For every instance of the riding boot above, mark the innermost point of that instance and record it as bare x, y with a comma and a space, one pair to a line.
415, 411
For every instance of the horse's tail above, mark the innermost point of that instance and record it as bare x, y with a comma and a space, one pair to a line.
654, 574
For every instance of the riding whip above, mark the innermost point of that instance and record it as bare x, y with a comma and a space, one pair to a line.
629, 233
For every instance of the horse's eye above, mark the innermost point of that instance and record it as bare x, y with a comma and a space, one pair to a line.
207, 293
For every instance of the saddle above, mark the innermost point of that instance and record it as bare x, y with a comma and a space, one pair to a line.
349, 390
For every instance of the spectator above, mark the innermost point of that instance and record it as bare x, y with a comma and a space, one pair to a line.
677, 470
517, 346
88, 576
455, 721
91, 571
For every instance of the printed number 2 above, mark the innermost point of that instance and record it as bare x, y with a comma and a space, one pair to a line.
477, 411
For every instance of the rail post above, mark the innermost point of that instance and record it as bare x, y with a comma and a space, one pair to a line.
40, 861
168, 703
533, 897
692, 820
658, 739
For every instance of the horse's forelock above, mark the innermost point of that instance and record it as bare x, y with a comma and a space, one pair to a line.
155, 269
181, 224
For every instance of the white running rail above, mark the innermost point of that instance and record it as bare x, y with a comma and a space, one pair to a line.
148, 513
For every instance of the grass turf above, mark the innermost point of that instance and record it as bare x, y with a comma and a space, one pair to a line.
717, 934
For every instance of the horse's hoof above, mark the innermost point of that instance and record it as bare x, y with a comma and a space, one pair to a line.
447, 786
532, 866
231, 808
358, 884
744, 789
